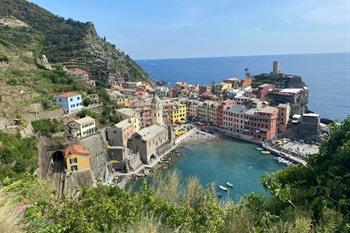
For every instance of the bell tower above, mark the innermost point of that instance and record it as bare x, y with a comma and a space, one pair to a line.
157, 111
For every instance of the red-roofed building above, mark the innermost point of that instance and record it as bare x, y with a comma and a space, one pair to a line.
77, 158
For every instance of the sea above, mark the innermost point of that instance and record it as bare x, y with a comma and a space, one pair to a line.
237, 162
327, 75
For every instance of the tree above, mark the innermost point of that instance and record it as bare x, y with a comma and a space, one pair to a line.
324, 183
87, 101
246, 70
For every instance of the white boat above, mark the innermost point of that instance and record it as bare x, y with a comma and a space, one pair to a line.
259, 148
284, 161
229, 184
223, 188
265, 152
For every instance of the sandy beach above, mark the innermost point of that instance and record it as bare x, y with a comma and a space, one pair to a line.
197, 136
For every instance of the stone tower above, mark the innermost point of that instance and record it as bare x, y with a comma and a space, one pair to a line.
157, 111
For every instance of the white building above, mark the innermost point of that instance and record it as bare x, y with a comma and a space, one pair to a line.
83, 127
162, 91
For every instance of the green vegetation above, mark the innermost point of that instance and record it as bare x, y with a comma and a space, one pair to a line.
47, 126
275, 80
56, 81
324, 183
5, 43
17, 157
66, 42
303, 199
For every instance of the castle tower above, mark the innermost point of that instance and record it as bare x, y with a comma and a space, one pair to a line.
275, 67
157, 111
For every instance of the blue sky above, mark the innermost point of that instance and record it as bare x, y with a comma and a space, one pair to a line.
211, 28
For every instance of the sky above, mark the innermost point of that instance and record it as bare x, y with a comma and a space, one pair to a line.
151, 29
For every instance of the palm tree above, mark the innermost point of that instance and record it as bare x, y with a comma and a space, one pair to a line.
246, 72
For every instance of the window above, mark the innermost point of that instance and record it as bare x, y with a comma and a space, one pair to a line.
71, 99
74, 168
73, 160
78, 98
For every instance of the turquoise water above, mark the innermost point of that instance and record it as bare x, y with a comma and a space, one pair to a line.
227, 160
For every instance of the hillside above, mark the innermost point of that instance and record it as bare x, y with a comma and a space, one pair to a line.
29, 31
303, 199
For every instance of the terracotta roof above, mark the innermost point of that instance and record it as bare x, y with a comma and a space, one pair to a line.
207, 93
68, 94
76, 149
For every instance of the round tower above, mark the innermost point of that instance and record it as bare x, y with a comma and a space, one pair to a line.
157, 111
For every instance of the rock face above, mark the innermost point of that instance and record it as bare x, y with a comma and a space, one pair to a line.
65, 42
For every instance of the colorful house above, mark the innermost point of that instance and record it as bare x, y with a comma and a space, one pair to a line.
132, 115
178, 113
70, 102
77, 158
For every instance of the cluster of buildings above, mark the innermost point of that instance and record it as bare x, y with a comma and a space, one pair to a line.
136, 140
148, 115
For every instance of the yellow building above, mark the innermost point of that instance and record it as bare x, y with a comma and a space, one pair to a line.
178, 113
77, 158
130, 114
122, 101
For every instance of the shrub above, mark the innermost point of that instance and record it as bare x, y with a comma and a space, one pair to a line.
47, 126
17, 156
12, 82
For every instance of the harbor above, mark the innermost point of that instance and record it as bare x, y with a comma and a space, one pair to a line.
232, 164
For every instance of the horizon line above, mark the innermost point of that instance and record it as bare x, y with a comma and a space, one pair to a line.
253, 55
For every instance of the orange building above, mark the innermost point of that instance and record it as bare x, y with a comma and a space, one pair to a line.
247, 82
77, 158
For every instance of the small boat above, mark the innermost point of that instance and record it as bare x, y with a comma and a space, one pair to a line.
223, 188
259, 148
265, 152
229, 184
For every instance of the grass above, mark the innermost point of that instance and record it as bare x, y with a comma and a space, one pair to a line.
11, 218
5, 43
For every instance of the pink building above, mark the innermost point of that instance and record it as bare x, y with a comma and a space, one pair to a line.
283, 117
146, 116
167, 109
261, 123
233, 119
263, 90
225, 105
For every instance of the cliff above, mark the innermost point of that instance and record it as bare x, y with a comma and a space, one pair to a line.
29, 31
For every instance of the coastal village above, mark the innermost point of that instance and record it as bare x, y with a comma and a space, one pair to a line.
269, 110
